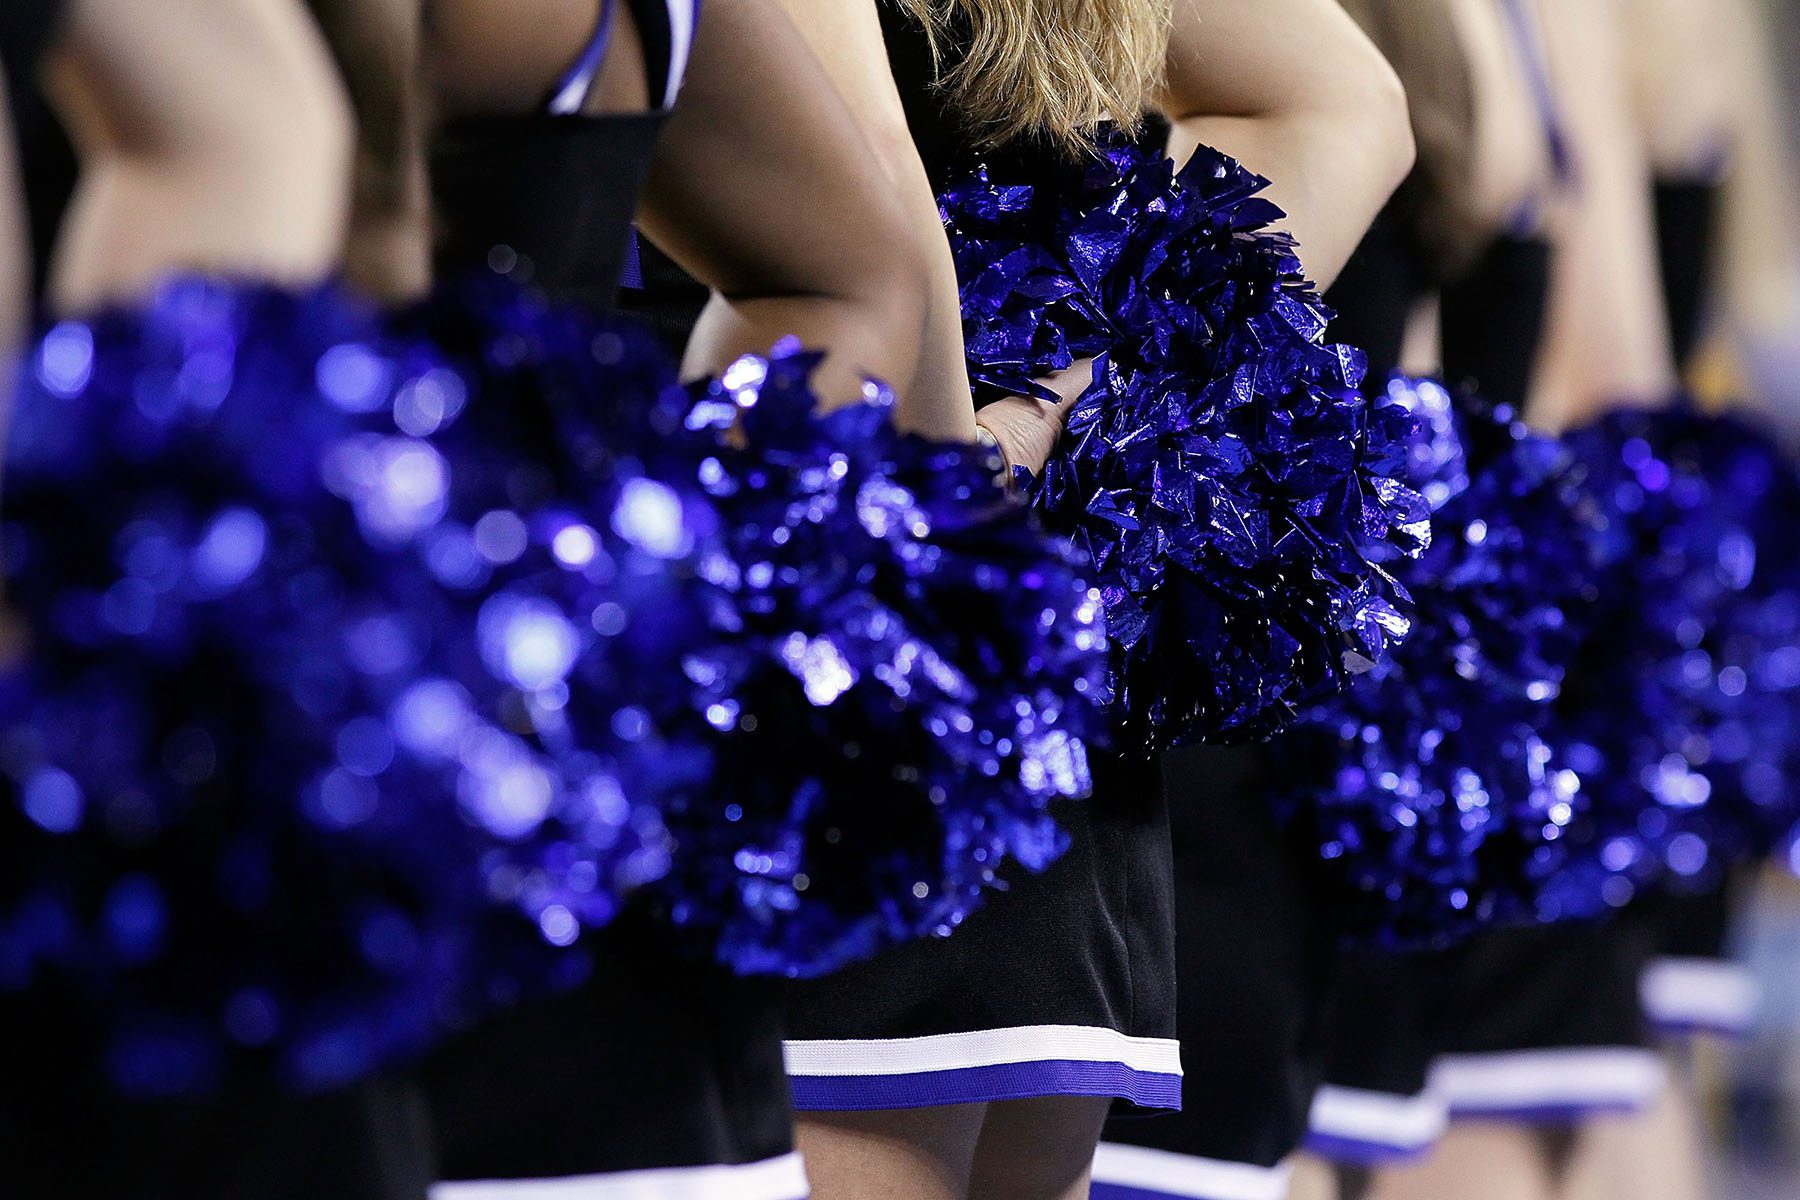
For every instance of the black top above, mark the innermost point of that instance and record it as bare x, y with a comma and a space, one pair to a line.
46, 159
1493, 320
946, 143
1492, 314
1686, 211
550, 195
1378, 290
26, 28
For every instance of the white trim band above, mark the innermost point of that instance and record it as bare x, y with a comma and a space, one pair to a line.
1185, 1177
983, 1048
1702, 993
1407, 1123
1528, 1081
681, 47
781, 1178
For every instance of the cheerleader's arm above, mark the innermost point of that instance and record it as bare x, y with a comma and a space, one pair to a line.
388, 248
1298, 93
764, 189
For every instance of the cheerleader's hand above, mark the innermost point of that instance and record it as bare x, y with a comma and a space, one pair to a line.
1025, 429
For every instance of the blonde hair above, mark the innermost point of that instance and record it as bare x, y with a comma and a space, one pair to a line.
1056, 69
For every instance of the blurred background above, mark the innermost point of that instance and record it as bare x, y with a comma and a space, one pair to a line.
1750, 1089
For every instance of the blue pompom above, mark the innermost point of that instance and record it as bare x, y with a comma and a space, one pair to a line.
1683, 703
1223, 471
316, 748
894, 679
912, 689
1437, 796
1599, 696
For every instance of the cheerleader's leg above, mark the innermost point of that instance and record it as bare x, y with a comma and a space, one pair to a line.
895, 1154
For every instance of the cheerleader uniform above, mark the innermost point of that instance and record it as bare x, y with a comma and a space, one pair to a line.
1537, 1025
1691, 985
1533, 1024
662, 1077
1251, 909
65, 1129
1578, 1043
46, 159
1061, 985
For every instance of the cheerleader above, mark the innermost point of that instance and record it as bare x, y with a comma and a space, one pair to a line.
1696, 115
983, 1064
663, 1076
1543, 1044
211, 139
1454, 250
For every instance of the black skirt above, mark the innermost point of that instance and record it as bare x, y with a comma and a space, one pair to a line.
1255, 959
661, 1076
1376, 1106
66, 1134
1693, 985
1063, 985
1545, 1026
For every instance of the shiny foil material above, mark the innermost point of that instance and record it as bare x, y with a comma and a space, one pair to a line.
914, 688
1231, 484
310, 742
359, 666
1435, 787
894, 676
1682, 707
1600, 695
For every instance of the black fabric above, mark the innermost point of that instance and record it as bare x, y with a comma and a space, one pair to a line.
66, 1135
659, 1061
945, 141
1686, 234
1697, 926
1564, 987
1254, 959
46, 159
670, 299
1493, 320
1376, 292
549, 199
1382, 1010
26, 29
1088, 942
1560, 988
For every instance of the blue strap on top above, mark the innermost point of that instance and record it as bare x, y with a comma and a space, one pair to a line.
674, 28
577, 84
1523, 24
